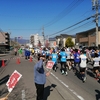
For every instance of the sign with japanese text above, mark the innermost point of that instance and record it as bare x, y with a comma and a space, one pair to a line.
49, 64
13, 80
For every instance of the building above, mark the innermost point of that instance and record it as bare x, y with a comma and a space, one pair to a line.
32, 39
35, 39
61, 39
41, 40
4, 41
51, 42
88, 38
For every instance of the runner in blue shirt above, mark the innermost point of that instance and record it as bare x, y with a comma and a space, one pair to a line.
76, 60
63, 56
54, 58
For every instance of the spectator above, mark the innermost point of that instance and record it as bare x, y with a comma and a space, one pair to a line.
40, 77
4, 98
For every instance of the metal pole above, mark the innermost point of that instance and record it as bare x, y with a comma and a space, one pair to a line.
43, 36
97, 36
95, 6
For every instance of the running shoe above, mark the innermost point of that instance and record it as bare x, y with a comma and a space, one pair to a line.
66, 73
69, 68
84, 79
62, 72
97, 78
55, 69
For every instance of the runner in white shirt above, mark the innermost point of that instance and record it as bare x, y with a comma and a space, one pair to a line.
96, 66
68, 59
83, 65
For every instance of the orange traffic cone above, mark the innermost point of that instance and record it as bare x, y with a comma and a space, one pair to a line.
30, 59
3, 63
18, 61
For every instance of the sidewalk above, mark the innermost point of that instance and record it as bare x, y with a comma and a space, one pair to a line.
7, 53
3, 55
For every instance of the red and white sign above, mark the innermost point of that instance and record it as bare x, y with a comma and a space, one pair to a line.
49, 64
13, 80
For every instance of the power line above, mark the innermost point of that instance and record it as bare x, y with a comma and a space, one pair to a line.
24, 29
64, 12
72, 25
83, 25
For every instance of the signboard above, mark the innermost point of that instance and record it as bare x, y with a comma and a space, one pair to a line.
49, 64
13, 80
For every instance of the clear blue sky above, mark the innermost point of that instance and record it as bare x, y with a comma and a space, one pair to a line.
26, 17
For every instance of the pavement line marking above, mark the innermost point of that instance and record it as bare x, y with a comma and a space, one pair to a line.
80, 97
23, 95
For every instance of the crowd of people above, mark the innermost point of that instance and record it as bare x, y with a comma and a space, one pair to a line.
74, 59
69, 59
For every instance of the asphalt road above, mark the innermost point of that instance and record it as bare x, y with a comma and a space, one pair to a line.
58, 87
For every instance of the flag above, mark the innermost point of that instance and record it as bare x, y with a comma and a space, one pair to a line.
20, 37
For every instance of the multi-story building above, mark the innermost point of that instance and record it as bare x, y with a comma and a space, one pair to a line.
32, 40
35, 39
42, 41
88, 38
4, 41
52, 42
61, 39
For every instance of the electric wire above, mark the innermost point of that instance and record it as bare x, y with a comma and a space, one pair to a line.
72, 25
81, 26
66, 11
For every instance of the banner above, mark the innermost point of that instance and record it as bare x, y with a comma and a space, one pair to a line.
13, 80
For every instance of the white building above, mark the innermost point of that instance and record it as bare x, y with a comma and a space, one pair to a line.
35, 38
41, 39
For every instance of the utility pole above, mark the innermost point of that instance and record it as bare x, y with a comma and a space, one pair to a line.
10, 37
43, 35
95, 6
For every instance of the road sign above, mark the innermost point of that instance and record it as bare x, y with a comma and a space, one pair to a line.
49, 64
13, 80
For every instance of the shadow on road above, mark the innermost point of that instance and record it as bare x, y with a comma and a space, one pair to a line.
97, 95
99, 81
77, 73
47, 91
90, 72
4, 79
3, 91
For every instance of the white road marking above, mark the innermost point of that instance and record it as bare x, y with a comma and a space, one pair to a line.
80, 97
23, 95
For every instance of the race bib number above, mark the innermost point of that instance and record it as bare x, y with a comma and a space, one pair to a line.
96, 63
63, 57
54, 56
77, 57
